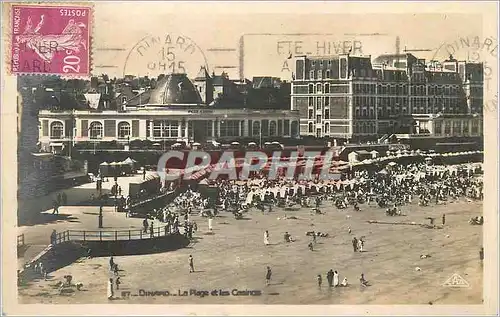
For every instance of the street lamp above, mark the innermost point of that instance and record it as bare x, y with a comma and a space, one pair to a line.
100, 215
260, 134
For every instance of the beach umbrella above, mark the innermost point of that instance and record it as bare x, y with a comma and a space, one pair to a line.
275, 142
128, 160
196, 144
392, 163
104, 164
267, 143
252, 143
235, 143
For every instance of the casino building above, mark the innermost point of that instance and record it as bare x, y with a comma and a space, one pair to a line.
178, 109
394, 96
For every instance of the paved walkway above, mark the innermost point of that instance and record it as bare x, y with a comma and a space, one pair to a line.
37, 235
75, 195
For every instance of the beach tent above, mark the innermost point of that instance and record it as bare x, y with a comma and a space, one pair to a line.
104, 169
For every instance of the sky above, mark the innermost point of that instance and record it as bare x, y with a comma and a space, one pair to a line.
257, 39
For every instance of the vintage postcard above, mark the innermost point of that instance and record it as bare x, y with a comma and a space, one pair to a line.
285, 158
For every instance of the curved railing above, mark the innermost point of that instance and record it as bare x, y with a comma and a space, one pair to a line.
109, 235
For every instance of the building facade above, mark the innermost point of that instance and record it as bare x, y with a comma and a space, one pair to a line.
351, 97
176, 110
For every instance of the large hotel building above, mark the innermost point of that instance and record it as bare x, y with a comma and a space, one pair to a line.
338, 98
355, 98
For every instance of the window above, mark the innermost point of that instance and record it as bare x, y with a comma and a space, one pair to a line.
273, 131
319, 88
318, 118
123, 130
165, 129
286, 127
56, 130
438, 125
294, 129
229, 128
456, 127
328, 74
95, 130
256, 128
310, 114
327, 88
318, 103
310, 127
320, 74
327, 127
475, 127
327, 101
311, 74
311, 88
327, 114
465, 126
311, 101
447, 127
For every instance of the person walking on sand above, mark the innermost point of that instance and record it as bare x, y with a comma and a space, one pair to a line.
191, 264
335, 279
210, 227
355, 244
111, 292
266, 237
320, 280
329, 277
443, 219
269, 273
111, 264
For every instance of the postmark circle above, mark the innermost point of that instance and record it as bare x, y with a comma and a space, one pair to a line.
475, 49
165, 54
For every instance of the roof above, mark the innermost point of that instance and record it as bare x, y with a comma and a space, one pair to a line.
175, 88
202, 74
390, 57
364, 152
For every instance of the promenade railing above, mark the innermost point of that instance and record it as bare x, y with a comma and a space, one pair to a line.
110, 235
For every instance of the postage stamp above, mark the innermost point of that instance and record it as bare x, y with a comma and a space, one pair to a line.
199, 157
51, 40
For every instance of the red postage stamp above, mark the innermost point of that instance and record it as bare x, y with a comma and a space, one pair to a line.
51, 40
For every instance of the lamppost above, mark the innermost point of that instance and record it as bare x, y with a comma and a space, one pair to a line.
116, 197
100, 215
260, 134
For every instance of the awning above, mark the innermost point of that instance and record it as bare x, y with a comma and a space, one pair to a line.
56, 144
